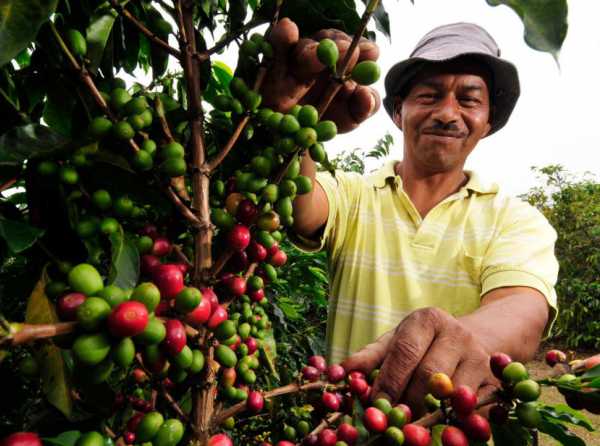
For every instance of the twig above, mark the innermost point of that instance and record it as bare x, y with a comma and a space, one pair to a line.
335, 86
181, 256
218, 159
221, 262
200, 178
7, 98
8, 184
230, 38
32, 332
284, 390
164, 125
332, 418
251, 270
185, 211
167, 396
148, 33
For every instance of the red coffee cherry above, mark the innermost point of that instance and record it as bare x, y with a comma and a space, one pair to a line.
498, 361
453, 436
553, 357
335, 373
375, 420
318, 362
255, 401
348, 433
310, 373
358, 386
127, 319
463, 400
327, 437
330, 401
476, 427
415, 435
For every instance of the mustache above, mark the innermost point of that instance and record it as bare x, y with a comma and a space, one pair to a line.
441, 129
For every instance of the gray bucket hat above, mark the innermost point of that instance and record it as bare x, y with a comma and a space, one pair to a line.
449, 42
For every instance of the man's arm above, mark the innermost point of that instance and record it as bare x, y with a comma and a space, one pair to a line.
429, 340
510, 320
310, 210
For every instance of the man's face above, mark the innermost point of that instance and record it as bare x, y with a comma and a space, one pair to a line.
443, 116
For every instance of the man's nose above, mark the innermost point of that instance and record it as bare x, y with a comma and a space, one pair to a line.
447, 110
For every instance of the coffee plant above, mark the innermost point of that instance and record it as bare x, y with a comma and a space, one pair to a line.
147, 224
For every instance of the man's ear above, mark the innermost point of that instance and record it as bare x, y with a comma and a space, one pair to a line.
397, 116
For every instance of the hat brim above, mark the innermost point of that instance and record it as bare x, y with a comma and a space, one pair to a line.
506, 89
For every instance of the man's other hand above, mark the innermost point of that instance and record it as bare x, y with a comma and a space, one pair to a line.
298, 77
425, 342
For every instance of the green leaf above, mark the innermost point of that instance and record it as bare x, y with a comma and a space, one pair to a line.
268, 352
97, 34
20, 21
382, 21
318, 273
564, 413
58, 109
511, 433
545, 22
592, 373
125, 261
561, 433
22, 143
68, 438
19, 235
311, 16
52, 366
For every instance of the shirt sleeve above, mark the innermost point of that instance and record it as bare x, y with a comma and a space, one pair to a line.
522, 254
342, 195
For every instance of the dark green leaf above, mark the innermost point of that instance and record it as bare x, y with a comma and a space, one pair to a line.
592, 373
561, 433
97, 34
510, 433
318, 273
382, 21
125, 261
566, 414
545, 22
32, 140
58, 110
312, 16
20, 21
19, 235
68, 438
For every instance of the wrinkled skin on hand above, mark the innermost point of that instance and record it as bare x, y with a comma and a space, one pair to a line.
427, 341
298, 77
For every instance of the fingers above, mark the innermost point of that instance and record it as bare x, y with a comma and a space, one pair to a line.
370, 357
283, 37
411, 342
443, 356
353, 105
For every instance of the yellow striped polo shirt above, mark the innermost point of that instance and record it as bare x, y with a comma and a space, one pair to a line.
386, 261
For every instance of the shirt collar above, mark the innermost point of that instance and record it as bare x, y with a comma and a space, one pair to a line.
386, 175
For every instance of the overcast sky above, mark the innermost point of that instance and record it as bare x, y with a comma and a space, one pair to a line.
555, 120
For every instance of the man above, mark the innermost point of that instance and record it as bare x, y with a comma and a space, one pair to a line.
432, 269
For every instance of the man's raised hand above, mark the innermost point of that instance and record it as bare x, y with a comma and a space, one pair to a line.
298, 76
